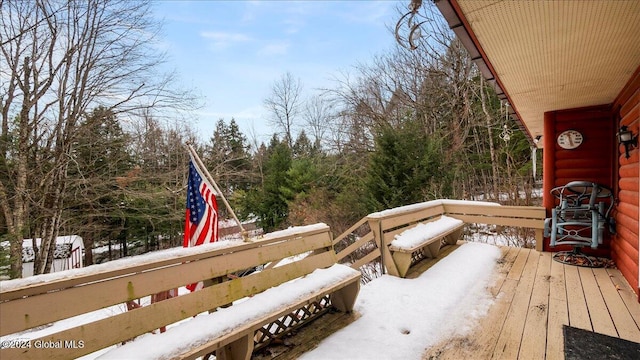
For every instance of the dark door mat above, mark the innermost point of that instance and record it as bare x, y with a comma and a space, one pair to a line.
581, 344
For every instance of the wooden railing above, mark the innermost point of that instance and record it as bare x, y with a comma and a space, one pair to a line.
377, 230
29, 303
26, 304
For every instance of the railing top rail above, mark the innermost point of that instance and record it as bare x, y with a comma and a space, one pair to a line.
170, 257
402, 210
292, 232
535, 212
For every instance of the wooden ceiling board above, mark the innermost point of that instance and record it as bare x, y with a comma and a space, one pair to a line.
555, 55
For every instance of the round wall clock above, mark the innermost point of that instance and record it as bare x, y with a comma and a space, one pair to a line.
570, 139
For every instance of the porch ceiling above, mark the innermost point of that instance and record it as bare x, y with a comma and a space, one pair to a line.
552, 55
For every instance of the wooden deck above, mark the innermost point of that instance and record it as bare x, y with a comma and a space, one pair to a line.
535, 297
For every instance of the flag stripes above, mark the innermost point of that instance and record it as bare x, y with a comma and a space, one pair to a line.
201, 219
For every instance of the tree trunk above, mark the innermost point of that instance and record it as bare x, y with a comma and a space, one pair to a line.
492, 149
19, 203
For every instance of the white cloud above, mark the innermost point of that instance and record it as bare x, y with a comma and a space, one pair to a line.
275, 48
292, 26
222, 36
222, 40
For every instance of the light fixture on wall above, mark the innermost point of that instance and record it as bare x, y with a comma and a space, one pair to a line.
626, 138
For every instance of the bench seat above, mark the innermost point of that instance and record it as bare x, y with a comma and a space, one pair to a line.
424, 238
230, 331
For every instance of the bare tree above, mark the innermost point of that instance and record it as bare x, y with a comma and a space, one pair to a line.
284, 104
318, 118
59, 59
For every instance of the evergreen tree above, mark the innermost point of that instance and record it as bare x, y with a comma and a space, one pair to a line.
269, 201
228, 158
303, 148
402, 168
95, 194
155, 199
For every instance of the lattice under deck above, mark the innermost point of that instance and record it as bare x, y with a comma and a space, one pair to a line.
290, 322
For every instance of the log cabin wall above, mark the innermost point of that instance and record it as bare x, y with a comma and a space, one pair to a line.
592, 161
624, 247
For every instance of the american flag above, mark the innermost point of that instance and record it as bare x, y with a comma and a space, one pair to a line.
201, 220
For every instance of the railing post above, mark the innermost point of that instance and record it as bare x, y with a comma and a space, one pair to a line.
539, 240
376, 228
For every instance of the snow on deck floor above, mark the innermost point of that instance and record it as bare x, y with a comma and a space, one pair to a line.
400, 318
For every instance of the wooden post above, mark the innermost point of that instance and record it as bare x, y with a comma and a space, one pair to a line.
200, 164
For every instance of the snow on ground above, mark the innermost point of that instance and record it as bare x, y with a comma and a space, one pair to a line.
400, 318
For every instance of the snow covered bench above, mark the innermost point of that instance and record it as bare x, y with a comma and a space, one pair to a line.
425, 240
81, 311
231, 331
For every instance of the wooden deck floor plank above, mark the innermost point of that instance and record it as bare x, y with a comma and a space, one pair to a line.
535, 328
625, 326
505, 263
521, 277
577, 304
518, 265
506, 327
510, 338
558, 312
481, 342
598, 312
626, 294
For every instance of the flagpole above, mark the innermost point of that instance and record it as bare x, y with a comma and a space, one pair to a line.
200, 164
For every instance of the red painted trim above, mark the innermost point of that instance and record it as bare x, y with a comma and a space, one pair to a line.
548, 161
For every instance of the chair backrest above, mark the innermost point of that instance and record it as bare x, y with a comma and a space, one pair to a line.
584, 194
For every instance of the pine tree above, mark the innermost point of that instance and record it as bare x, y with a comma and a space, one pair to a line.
402, 168
96, 192
268, 202
228, 158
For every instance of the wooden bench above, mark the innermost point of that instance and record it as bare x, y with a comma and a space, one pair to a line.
231, 332
304, 255
423, 240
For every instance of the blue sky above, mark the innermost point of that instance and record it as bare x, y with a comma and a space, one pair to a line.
232, 52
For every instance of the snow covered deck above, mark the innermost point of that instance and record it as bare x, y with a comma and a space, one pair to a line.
473, 300
534, 297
